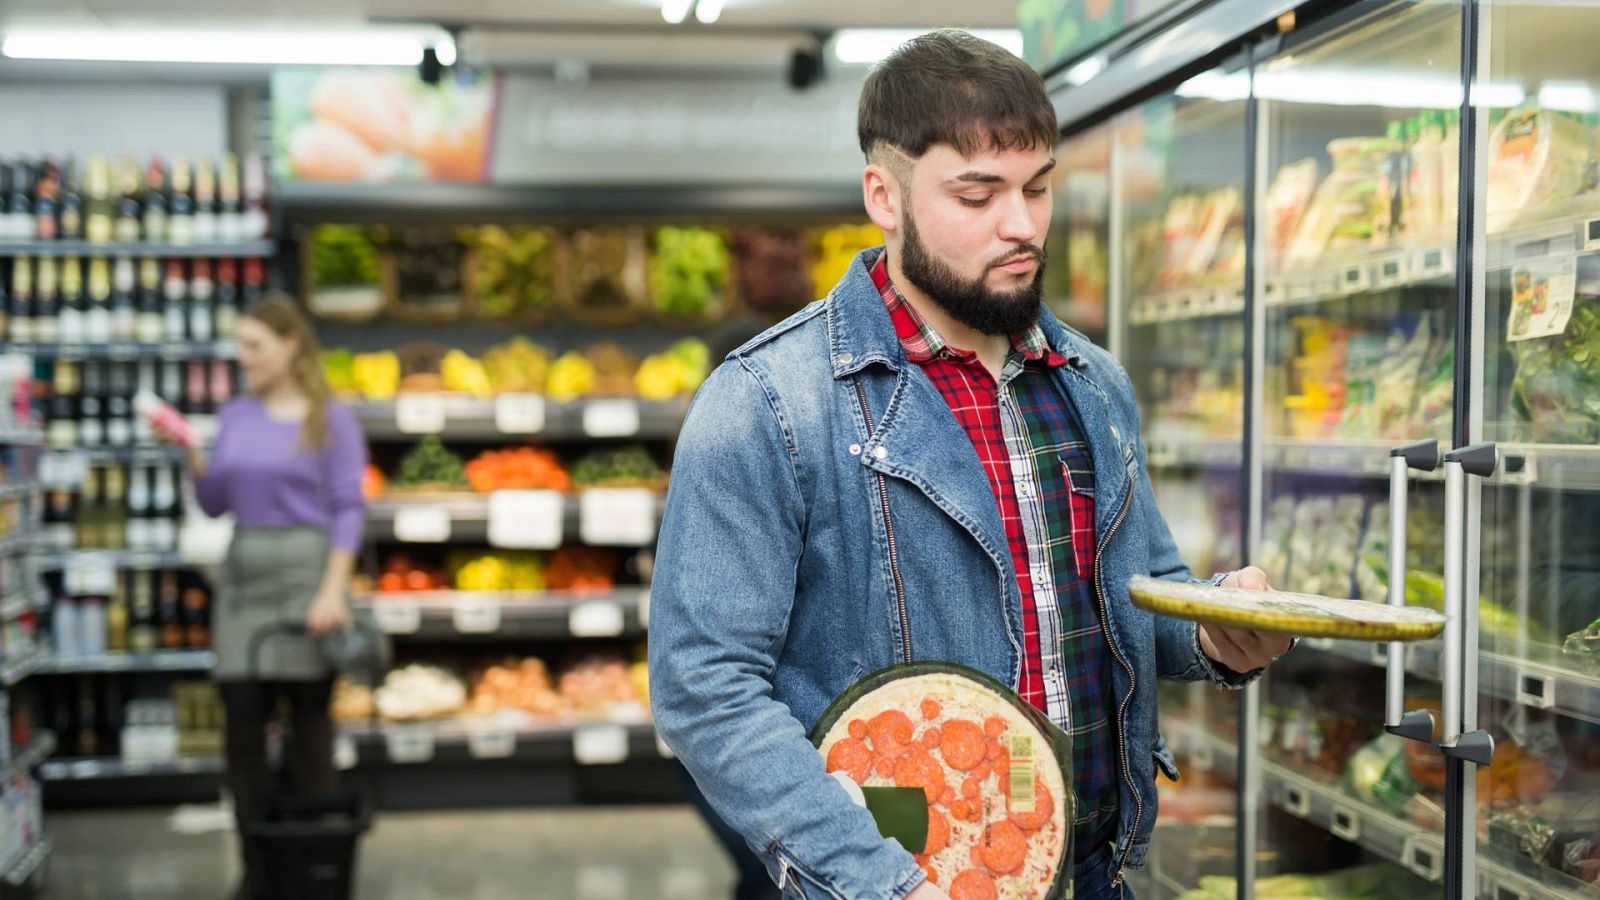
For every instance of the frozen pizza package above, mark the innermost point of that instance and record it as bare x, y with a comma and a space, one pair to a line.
972, 780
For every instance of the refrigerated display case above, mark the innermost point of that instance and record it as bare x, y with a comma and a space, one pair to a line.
1416, 263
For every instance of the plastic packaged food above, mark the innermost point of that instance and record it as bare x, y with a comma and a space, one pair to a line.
1536, 157
995, 809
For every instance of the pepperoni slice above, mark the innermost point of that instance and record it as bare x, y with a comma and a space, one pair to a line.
884, 767
858, 729
962, 744
1004, 848
933, 875
961, 809
930, 708
918, 769
1044, 807
930, 738
948, 797
994, 726
938, 833
891, 732
970, 788
851, 757
973, 884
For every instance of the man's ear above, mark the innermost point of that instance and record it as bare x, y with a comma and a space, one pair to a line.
880, 193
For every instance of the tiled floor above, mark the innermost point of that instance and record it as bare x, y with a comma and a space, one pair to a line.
564, 854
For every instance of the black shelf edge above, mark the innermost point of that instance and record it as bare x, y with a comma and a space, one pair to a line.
161, 661
242, 249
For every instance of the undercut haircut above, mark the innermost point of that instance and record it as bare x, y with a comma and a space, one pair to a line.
948, 87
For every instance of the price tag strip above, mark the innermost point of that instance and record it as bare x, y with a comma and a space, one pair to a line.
600, 745
526, 520
1536, 690
476, 613
395, 615
1346, 824
1296, 801
422, 524
420, 413
611, 418
1425, 860
595, 619
519, 413
617, 517
409, 744
491, 741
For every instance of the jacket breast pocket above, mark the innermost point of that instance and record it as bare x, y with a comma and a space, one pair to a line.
1077, 465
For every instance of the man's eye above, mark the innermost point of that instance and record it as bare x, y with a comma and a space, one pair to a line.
1036, 192
975, 203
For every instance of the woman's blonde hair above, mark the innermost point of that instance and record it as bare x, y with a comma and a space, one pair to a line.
279, 312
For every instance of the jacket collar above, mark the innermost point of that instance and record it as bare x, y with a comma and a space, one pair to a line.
861, 333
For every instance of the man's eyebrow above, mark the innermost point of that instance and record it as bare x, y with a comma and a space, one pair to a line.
976, 177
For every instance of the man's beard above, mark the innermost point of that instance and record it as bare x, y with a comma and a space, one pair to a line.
972, 302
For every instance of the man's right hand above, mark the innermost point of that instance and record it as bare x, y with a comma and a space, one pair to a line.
927, 891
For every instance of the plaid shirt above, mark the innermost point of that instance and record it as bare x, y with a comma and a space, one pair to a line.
1030, 444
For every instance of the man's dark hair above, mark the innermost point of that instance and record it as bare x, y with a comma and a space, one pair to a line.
948, 87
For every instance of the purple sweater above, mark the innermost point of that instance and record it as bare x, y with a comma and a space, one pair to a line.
260, 473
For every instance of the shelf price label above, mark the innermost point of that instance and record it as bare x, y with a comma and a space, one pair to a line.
422, 524
526, 520
600, 745
617, 517
595, 619
611, 418
1296, 801
409, 744
397, 615
519, 413
345, 756
1423, 859
476, 613
1393, 270
491, 741
1535, 690
420, 413
1346, 824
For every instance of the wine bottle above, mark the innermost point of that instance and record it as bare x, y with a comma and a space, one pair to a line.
155, 202
221, 383
151, 324
255, 281
91, 424
205, 203
119, 406
201, 291
129, 214
171, 612
255, 221
46, 203
165, 500
63, 431
99, 213
47, 304
70, 315
196, 614
180, 204
227, 314
172, 382
19, 206
117, 618
143, 435
20, 326
175, 314
114, 523
138, 527
88, 512
143, 636
124, 315
97, 326
230, 211
70, 214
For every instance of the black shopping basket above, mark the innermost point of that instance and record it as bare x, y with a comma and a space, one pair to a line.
306, 845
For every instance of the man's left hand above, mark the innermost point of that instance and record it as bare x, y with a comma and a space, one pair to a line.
1243, 649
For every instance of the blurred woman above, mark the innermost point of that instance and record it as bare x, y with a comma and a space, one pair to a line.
287, 463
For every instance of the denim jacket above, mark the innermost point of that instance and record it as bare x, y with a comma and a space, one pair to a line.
827, 518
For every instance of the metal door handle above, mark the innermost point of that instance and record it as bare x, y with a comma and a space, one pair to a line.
1416, 725
1478, 460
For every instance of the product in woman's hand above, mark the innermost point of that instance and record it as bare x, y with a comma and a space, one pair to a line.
163, 418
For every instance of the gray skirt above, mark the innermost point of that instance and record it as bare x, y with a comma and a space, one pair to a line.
270, 578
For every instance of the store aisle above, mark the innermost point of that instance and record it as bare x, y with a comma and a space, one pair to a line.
571, 854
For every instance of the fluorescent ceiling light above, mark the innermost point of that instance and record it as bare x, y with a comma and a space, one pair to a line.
1567, 96
446, 49
860, 46
1085, 71
1217, 85
675, 11
351, 48
708, 11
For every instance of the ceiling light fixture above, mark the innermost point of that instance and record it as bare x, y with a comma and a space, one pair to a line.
350, 48
863, 46
708, 11
675, 11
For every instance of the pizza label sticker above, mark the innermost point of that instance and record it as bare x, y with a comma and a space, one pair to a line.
1541, 298
1021, 799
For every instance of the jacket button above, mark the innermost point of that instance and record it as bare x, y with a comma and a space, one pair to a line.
880, 453
846, 359
855, 449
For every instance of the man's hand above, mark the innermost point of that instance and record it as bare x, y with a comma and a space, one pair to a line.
1243, 649
927, 891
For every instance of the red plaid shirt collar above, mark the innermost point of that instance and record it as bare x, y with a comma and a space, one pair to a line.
922, 343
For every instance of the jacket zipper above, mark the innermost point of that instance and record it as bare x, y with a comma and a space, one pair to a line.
1122, 708
888, 527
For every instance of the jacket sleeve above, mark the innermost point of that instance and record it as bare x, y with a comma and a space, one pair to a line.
1178, 653
723, 587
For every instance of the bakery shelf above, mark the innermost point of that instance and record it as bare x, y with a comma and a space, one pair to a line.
496, 615
101, 768
461, 417
515, 738
120, 559
160, 661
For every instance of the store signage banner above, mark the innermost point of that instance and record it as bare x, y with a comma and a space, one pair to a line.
378, 125
680, 131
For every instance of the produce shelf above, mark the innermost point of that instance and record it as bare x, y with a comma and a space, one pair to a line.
1328, 807
22, 437
1569, 466
464, 615
261, 248
25, 867
466, 741
490, 419
100, 768
161, 661
1543, 683
450, 518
